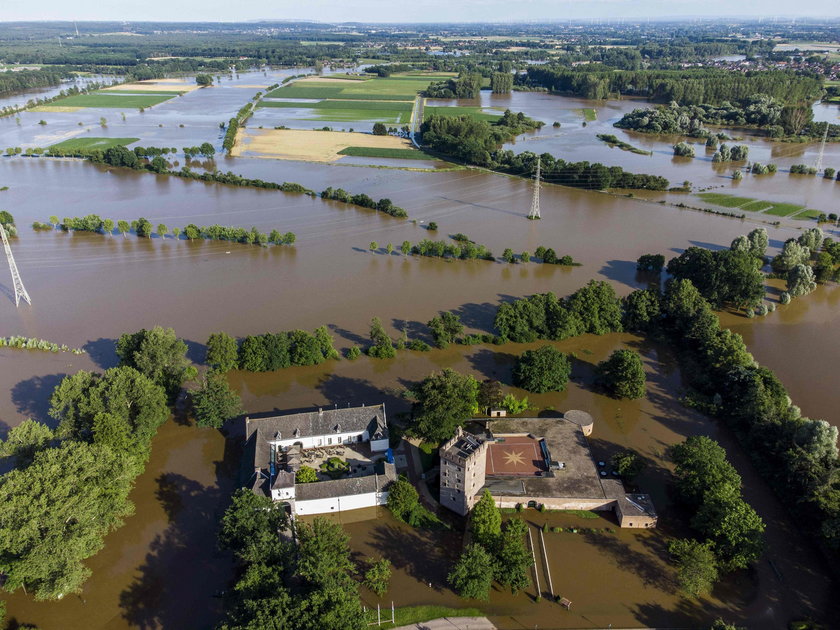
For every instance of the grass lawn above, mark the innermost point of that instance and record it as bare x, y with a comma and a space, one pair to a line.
757, 206
408, 615
784, 209
87, 144
115, 100
725, 200
808, 215
588, 114
472, 112
395, 88
381, 152
349, 111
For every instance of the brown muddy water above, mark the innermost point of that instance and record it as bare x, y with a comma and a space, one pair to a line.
161, 569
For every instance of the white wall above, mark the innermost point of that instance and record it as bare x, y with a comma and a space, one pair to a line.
379, 445
341, 504
282, 494
333, 439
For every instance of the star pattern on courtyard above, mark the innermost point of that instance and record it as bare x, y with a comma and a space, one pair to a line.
514, 458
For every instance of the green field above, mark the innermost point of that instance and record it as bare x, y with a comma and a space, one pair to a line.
111, 100
724, 200
776, 209
152, 92
401, 154
396, 88
472, 112
88, 144
808, 215
349, 111
784, 209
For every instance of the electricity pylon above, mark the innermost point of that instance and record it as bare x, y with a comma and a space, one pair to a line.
535, 202
20, 290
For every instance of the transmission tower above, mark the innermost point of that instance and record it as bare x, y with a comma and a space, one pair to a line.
819, 163
535, 202
20, 291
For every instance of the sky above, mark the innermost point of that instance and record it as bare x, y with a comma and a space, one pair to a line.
401, 10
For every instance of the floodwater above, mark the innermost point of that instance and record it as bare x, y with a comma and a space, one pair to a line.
161, 570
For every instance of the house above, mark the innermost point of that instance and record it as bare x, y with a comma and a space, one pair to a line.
536, 462
278, 445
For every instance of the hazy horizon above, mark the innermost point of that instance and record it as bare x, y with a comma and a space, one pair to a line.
420, 11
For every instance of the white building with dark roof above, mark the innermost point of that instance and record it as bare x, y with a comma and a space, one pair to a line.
281, 444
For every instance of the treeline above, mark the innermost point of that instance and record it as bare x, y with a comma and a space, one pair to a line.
479, 142
383, 205
467, 85
286, 585
387, 70
32, 343
760, 110
236, 122
687, 87
270, 351
85, 468
18, 81
10, 110
144, 228
731, 532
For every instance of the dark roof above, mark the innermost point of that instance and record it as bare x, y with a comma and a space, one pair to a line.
258, 431
346, 487
462, 447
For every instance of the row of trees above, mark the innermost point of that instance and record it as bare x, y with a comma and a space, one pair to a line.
144, 229
286, 585
270, 351
731, 532
70, 485
497, 552
383, 205
466, 85
687, 87
758, 110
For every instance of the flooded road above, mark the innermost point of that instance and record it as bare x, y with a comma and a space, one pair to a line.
161, 570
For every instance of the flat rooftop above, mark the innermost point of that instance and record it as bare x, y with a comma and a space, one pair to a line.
519, 456
577, 476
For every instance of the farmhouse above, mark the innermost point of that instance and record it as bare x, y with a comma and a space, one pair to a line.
347, 447
535, 462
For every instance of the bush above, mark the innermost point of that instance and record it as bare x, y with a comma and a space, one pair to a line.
543, 370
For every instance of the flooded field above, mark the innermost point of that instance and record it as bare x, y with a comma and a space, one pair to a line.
161, 570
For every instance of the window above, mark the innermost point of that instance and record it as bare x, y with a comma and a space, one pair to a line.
358, 438
329, 440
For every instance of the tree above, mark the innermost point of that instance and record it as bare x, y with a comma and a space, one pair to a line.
379, 129
158, 354
758, 242
108, 226
382, 347
214, 403
696, 566
722, 277
378, 576
54, 220
444, 400
306, 474
489, 394
403, 500
812, 238
143, 229
222, 352
25, 440
124, 227
473, 573
642, 310
622, 375
203, 80
373, 246
597, 306
800, 280
650, 262
701, 465
250, 527
513, 560
162, 230
446, 327
121, 391
486, 521
734, 527
542, 370
792, 254
323, 553
50, 527
627, 464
